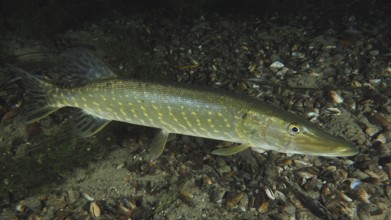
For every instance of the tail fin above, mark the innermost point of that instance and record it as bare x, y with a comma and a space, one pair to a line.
37, 90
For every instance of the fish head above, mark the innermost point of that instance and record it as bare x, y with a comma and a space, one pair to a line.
270, 128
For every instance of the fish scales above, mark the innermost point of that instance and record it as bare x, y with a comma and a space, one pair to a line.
177, 109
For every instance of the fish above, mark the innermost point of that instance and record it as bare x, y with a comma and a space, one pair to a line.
99, 96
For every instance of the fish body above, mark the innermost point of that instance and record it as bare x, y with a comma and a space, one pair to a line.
176, 109
102, 97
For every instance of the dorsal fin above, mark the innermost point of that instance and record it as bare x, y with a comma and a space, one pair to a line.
81, 65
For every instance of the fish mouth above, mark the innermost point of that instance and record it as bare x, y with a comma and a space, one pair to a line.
326, 145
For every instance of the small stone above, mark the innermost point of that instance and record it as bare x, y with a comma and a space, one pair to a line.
217, 196
95, 209
276, 66
73, 196
374, 52
335, 97
224, 169
33, 203
264, 207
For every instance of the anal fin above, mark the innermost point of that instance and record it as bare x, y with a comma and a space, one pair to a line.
157, 145
230, 150
87, 124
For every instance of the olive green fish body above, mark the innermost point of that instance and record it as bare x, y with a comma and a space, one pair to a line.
102, 97
174, 108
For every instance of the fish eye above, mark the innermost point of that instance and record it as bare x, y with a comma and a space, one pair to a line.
294, 129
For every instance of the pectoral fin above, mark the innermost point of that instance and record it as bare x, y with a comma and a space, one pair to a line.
230, 150
157, 145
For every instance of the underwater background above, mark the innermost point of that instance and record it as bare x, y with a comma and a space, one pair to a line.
328, 61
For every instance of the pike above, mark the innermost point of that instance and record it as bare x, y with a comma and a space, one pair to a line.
100, 97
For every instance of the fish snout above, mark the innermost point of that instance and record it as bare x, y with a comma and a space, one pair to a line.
326, 145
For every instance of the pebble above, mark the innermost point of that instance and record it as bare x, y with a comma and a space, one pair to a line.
276, 66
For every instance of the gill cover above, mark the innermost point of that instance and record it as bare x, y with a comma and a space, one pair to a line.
252, 130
